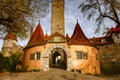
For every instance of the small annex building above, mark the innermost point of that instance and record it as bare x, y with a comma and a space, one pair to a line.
56, 50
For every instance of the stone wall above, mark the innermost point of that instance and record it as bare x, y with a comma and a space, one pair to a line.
88, 65
109, 56
9, 46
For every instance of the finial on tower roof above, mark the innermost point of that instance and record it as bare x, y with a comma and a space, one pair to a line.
46, 32
39, 20
77, 20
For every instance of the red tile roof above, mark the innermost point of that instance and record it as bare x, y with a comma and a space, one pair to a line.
101, 40
37, 37
78, 37
116, 29
11, 35
67, 37
113, 30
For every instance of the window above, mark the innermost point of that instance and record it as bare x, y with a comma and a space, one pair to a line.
97, 57
111, 56
32, 56
106, 47
119, 35
103, 40
85, 56
79, 55
35, 56
104, 56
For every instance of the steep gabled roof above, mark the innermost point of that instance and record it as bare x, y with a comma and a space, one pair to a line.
78, 37
37, 37
11, 35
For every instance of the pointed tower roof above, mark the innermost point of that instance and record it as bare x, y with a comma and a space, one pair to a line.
46, 36
37, 37
78, 37
11, 35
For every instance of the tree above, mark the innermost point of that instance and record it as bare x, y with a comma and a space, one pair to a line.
100, 10
9, 63
15, 14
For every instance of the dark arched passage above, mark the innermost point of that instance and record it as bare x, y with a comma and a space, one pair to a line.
58, 59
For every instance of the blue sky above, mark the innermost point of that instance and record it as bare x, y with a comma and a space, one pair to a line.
72, 13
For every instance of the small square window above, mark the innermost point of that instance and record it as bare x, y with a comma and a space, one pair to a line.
85, 56
37, 55
111, 56
32, 56
79, 55
104, 56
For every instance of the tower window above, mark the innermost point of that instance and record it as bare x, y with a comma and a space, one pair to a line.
35, 56
32, 56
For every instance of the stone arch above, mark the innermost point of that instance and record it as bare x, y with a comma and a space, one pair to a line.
46, 56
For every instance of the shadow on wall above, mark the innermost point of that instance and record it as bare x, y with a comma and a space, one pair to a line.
110, 68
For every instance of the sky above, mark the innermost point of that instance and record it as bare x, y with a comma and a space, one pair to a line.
72, 13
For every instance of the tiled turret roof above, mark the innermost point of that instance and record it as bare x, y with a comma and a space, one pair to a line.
78, 37
37, 37
11, 35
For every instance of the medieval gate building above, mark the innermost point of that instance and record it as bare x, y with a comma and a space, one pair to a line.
44, 52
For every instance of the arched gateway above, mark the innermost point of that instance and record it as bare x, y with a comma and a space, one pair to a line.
57, 56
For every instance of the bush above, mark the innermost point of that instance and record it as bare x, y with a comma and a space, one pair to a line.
9, 63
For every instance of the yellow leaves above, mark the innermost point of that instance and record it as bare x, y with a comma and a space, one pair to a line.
18, 1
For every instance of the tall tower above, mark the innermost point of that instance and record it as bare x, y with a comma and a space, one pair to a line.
57, 24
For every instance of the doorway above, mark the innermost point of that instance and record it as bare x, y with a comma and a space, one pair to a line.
58, 59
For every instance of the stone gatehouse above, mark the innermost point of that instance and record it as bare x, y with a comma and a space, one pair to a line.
59, 51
